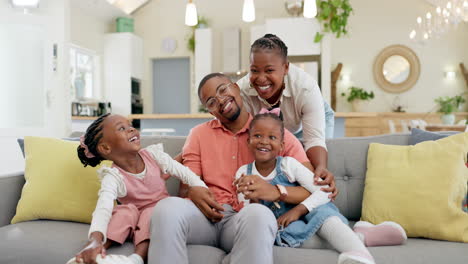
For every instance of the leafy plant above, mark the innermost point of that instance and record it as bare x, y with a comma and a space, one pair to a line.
202, 109
202, 22
446, 104
458, 101
356, 93
333, 14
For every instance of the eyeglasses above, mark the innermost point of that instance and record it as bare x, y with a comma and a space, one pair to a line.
222, 91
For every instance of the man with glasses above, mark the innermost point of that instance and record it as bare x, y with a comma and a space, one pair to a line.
215, 150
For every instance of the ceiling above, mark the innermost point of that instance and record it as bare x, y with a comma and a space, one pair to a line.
107, 11
98, 8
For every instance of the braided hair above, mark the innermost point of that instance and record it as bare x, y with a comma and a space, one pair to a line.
265, 116
91, 139
270, 42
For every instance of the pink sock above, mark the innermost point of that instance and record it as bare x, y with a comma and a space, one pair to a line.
384, 234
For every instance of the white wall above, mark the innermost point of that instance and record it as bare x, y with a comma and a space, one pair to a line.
53, 17
87, 31
380, 23
373, 26
165, 18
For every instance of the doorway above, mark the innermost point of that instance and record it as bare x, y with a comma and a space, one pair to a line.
171, 86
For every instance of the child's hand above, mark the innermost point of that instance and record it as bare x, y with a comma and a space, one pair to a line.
89, 253
292, 215
255, 188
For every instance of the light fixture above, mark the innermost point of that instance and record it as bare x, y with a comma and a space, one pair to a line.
450, 75
191, 17
345, 78
25, 3
310, 8
446, 15
248, 11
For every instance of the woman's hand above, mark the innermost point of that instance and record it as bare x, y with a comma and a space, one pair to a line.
91, 251
328, 179
255, 188
292, 215
206, 203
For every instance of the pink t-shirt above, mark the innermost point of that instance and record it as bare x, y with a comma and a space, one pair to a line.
215, 153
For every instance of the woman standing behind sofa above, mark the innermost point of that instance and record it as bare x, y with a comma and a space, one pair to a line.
274, 82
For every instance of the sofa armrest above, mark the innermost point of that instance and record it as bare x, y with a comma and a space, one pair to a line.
10, 193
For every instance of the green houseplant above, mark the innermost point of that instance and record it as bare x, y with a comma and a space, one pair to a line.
458, 101
333, 15
446, 106
202, 23
358, 97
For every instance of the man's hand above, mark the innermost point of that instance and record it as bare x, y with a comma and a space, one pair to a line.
292, 215
255, 188
206, 203
328, 179
89, 253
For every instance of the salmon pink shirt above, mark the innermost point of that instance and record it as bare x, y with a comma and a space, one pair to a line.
215, 153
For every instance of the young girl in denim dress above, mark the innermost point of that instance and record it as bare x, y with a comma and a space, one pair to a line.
316, 214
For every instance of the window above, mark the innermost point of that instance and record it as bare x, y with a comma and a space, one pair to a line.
82, 70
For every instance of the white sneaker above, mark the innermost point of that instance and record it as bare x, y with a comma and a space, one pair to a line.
355, 257
108, 259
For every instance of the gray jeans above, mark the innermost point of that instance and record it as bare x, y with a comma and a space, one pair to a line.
247, 236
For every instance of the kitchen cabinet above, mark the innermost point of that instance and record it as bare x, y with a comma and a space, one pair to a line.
123, 61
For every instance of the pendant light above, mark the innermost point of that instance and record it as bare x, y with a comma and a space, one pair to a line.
191, 17
310, 8
248, 11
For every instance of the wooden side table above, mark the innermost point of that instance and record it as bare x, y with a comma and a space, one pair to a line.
440, 127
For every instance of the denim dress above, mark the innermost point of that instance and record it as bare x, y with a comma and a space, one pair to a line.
302, 229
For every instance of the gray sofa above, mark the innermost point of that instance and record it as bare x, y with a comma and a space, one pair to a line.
50, 242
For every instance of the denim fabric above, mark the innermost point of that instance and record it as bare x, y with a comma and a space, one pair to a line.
329, 123
329, 120
298, 231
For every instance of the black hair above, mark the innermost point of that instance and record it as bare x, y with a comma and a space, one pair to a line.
265, 116
91, 139
270, 42
207, 78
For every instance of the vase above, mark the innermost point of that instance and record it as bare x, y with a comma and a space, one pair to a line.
360, 105
448, 119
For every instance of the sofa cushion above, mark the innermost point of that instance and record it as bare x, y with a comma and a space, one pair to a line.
347, 161
47, 241
419, 135
420, 187
57, 185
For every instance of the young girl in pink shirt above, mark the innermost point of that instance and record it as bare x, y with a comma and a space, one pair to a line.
135, 179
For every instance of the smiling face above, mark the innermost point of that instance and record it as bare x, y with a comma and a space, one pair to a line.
267, 71
228, 105
265, 139
118, 137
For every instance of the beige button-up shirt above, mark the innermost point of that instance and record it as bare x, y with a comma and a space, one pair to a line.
301, 105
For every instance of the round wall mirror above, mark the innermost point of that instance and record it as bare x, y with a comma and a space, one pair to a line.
396, 69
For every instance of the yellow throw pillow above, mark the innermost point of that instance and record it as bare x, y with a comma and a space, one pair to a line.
57, 186
420, 187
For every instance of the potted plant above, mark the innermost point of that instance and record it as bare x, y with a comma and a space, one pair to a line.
458, 100
358, 97
333, 14
446, 107
202, 23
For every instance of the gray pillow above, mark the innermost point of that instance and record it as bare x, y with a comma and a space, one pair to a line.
21, 142
418, 135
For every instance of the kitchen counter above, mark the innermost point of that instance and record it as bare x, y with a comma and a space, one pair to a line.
207, 115
84, 117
